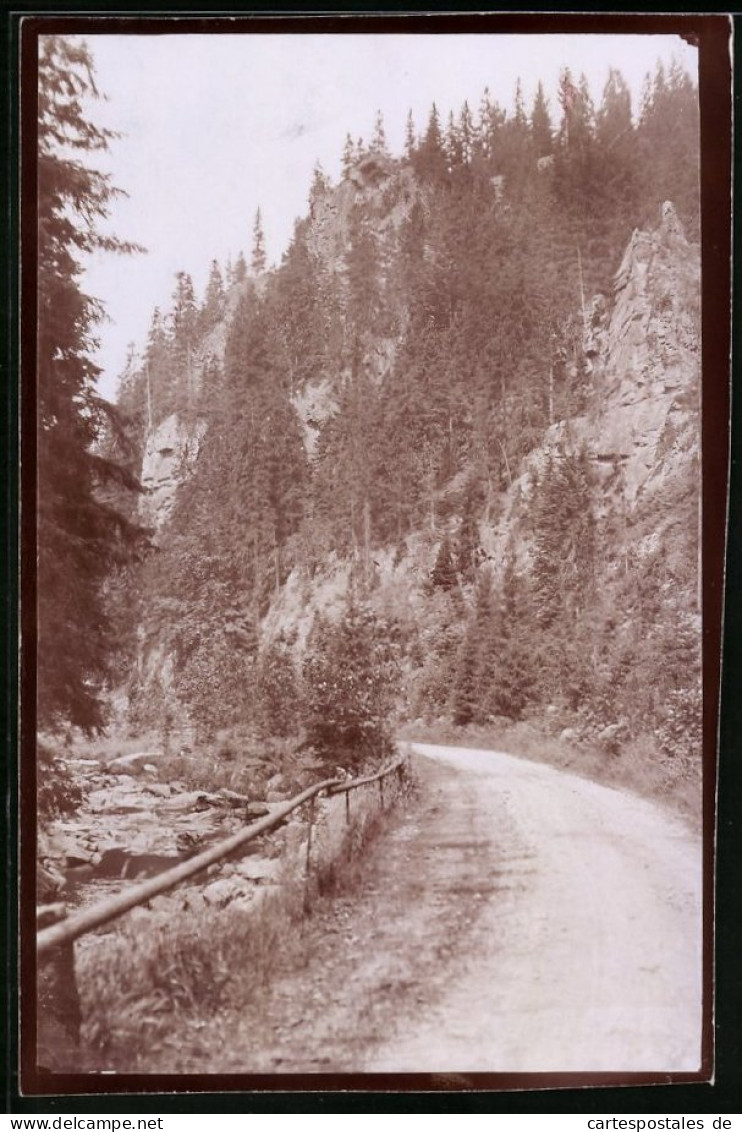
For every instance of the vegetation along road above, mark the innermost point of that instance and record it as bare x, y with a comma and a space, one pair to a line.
521, 919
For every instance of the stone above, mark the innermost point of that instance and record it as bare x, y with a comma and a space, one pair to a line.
258, 869
131, 764
159, 789
255, 810
221, 892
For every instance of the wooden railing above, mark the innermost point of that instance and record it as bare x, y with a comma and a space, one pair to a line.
67, 930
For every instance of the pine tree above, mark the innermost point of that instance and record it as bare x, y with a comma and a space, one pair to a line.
409, 141
258, 257
240, 269
467, 134
184, 333
348, 155
82, 535
213, 307
452, 144
378, 140
319, 187
444, 573
472, 687
514, 659
467, 548
668, 140
430, 156
541, 129
159, 372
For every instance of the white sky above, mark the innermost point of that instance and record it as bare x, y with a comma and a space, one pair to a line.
216, 125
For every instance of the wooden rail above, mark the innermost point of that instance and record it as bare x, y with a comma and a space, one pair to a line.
65, 931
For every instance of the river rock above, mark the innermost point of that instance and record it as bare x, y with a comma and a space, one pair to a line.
255, 810
221, 892
132, 764
258, 869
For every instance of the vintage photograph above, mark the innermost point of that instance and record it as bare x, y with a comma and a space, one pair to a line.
369, 593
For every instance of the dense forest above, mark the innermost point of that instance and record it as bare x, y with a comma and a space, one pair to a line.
367, 415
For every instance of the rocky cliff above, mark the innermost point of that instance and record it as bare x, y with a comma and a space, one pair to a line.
642, 430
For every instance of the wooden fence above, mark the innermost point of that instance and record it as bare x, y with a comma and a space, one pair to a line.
58, 1016
70, 929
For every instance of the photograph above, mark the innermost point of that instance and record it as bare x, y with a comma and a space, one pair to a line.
368, 729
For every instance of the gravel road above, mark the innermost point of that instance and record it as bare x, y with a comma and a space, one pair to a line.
588, 952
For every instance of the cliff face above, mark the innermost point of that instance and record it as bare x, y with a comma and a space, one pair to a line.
637, 434
649, 371
170, 454
642, 431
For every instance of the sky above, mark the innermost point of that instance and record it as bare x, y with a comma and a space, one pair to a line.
214, 126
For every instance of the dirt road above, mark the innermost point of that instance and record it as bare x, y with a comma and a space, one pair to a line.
517, 919
593, 930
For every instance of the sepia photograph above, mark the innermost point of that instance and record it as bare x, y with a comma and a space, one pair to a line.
367, 711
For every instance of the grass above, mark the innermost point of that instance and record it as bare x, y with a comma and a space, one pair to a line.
638, 765
171, 965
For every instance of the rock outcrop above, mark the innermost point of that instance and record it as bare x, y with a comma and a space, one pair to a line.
650, 365
170, 452
644, 363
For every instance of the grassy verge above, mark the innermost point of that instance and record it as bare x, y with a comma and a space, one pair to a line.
181, 961
637, 766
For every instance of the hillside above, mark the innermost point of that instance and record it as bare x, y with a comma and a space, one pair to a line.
442, 462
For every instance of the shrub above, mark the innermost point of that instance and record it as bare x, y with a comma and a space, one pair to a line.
58, 792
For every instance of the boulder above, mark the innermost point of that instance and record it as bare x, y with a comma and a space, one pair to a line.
131, 764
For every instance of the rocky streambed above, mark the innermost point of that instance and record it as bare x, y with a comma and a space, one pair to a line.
133, 825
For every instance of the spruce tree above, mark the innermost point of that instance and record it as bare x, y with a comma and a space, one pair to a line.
258, 258
184, 324
541, 128
378, 140
348, 155
82, 535
409, 140
213, 306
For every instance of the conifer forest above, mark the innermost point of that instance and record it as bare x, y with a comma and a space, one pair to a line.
436, 468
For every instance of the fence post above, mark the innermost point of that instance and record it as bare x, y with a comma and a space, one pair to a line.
58, 1011
381, 793
347, 807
